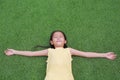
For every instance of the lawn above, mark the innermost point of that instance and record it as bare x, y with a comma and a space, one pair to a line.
90, 25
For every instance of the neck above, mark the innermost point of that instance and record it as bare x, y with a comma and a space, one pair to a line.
59, 47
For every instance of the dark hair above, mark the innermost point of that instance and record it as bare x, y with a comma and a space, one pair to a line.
50, 45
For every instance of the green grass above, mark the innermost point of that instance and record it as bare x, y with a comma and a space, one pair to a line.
90, 25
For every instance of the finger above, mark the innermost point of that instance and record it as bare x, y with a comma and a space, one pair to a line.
7, 48
113, 57
5, 51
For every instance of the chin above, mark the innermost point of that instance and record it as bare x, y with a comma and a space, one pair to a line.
59, 45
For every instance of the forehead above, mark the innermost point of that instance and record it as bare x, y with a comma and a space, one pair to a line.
58, 33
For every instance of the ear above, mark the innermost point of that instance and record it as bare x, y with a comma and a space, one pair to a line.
51, 42
65, 41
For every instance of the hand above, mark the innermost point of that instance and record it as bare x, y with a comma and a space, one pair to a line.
9, 52
110, 55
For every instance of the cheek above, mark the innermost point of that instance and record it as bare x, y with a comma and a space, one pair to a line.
54, 39
62, 39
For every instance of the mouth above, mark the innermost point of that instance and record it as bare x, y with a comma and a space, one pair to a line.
58, 41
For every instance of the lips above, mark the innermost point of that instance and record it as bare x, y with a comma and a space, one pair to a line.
58, 41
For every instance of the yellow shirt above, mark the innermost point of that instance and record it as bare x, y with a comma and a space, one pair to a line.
59, 64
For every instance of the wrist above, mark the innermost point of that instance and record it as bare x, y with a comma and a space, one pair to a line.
104, 55
15, 52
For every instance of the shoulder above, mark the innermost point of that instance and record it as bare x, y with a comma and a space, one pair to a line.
50, 49
74, 51
71, 50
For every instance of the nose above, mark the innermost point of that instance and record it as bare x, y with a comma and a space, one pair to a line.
58, 39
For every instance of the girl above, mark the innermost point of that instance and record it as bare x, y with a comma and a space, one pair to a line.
59, 57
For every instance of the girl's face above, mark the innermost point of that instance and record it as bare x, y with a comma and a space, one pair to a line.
58, 40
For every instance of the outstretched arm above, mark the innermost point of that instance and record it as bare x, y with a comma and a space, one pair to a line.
10, 52
108, 55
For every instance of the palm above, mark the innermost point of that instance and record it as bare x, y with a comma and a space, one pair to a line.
9, 52
111, 55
